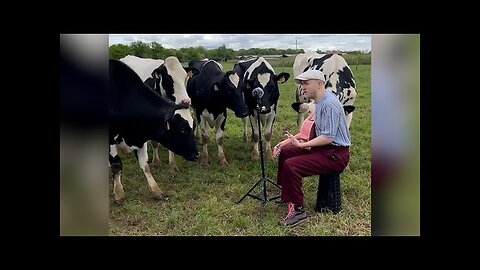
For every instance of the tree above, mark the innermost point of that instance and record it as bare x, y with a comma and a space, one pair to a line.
141, 49
157, 50
222, 52
118, 51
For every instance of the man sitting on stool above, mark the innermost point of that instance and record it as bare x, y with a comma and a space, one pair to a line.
328, 152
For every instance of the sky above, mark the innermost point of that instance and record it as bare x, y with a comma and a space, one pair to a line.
324, 42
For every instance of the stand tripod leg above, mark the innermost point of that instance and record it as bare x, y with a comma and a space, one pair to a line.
263, 195
248, 192
275, 184
264, 198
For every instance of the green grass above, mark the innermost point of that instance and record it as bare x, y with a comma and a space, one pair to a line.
203, 199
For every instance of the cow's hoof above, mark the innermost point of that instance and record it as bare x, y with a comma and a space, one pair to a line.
174, 169
204, 162
224, 162
161, 197
154, 165
118, 193
118, 202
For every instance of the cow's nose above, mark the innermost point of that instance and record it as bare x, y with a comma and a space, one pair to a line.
187, 101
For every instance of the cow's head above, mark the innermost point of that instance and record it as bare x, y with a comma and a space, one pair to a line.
301, 107
339, 76
172, 79
230, 88
268, 83
179, 138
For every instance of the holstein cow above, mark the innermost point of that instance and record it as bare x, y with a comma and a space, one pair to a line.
212, 92
258, 73
169, 79
339, 80
138, 114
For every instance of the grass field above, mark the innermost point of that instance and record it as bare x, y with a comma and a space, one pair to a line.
203, 199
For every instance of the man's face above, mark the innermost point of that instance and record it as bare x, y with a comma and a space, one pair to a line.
309, 87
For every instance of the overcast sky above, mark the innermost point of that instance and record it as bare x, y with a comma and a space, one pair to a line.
342, 42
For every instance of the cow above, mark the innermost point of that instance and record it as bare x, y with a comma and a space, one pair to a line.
169, 79
137, 114
213, 91
259, 75
339, 80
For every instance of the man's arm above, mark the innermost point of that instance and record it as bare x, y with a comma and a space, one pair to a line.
318, 141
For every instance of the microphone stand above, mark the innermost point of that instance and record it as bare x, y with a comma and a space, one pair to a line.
262, 180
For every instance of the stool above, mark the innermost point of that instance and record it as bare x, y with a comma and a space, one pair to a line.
329, 196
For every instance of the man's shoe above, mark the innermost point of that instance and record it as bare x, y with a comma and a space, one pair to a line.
294, 217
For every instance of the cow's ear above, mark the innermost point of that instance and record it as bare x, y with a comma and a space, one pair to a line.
169, 114
191, 71
296, 106
171, 107
282, 77
348, 108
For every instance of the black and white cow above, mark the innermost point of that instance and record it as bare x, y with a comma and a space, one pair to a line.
169, 79
138, 114
258, 73
212, 92
339, 80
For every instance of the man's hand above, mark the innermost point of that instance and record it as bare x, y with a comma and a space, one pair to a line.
294, 140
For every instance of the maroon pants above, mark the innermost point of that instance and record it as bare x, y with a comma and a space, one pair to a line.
295, 163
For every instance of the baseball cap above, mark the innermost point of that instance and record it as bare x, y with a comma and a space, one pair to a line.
311, 74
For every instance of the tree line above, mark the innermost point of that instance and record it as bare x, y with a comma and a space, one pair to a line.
155, 50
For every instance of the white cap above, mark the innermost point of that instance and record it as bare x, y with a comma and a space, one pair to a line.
311, 74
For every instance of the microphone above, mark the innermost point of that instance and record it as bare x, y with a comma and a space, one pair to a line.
257, 92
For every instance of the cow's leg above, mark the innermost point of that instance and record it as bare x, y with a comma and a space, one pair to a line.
300, 118
116, 169
142, 157
301, 98
303, 110
255, 137
155, 159
171, 161
197, 132
349, 119
204, 132
270, 119
219, 128
244, 120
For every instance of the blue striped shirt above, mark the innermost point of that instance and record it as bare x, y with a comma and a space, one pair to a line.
330, 119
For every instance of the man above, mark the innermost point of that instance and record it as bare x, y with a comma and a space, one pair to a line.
327, 152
